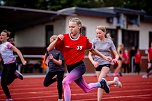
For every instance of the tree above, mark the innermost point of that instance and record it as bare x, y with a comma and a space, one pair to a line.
60, 4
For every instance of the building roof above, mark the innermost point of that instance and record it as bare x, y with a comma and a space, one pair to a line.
116, 10
86, 12
15, 18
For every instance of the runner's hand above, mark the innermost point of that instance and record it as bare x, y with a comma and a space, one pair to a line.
60, 37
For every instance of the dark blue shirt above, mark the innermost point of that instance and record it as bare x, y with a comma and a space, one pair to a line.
58, 56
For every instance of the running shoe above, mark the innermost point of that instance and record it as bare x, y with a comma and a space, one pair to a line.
117, 82
144, 76
19, 75
104, 85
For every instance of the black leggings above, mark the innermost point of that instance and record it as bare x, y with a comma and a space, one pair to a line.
137, 67
8, 76
49, 80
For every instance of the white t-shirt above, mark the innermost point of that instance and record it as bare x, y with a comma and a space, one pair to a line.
7, 53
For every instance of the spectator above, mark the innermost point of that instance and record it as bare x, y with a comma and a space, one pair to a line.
137, 61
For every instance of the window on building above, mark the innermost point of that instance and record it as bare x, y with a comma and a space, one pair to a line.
113, 34
49, 30
130, 38
133, 19
150, 37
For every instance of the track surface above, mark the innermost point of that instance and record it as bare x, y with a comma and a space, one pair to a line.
135, 88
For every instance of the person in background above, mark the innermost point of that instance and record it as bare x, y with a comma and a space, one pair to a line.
44, 63
104, 45
137, 61
117, 71
56, 68
9, 72
125, 61
132, 53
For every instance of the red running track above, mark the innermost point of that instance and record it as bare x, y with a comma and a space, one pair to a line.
135, 88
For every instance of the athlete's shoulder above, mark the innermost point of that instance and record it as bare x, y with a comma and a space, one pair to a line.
95, 39
83, 37
109, 40
65, 35
5, 43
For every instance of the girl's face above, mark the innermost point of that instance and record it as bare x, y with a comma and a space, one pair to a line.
121, 46
3, 37
74, 28
100, 34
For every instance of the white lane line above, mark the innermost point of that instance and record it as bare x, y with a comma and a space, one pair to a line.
117, 97
80, 93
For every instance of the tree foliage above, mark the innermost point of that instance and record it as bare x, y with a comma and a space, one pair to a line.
60, 4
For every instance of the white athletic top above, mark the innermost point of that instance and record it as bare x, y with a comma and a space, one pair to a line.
6, 53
